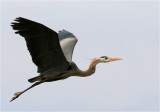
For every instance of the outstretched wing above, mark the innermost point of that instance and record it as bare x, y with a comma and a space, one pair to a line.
43, 45
67, 42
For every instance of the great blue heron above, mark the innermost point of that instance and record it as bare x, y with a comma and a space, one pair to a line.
52, 53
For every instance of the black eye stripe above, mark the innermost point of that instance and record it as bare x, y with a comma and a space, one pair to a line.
105, 57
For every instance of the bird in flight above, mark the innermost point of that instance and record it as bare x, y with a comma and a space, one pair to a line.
52, 53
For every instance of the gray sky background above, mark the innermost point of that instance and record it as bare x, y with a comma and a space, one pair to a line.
128, 30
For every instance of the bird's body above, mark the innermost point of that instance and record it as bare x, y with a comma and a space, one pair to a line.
52, 52
73, 70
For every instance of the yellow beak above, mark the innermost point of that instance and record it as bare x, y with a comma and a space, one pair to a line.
114, 59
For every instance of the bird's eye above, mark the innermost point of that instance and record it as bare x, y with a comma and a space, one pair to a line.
106, 57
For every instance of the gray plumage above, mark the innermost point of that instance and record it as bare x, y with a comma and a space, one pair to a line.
63, 34
67, 42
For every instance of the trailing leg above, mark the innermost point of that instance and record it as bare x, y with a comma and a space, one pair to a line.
16, 95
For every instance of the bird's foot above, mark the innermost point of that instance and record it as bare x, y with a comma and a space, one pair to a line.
16, 95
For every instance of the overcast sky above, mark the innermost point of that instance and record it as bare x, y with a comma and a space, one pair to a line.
127, 30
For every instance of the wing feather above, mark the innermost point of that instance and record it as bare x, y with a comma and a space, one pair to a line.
67, 42
43, 45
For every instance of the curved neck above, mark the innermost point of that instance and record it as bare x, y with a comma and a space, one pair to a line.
90, 70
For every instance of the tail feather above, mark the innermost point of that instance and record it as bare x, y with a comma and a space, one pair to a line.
38, 78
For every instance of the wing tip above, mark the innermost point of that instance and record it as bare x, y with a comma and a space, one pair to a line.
65, 34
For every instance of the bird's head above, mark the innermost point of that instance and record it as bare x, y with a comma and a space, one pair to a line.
105, 59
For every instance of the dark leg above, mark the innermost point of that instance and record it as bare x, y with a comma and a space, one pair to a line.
16, 95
